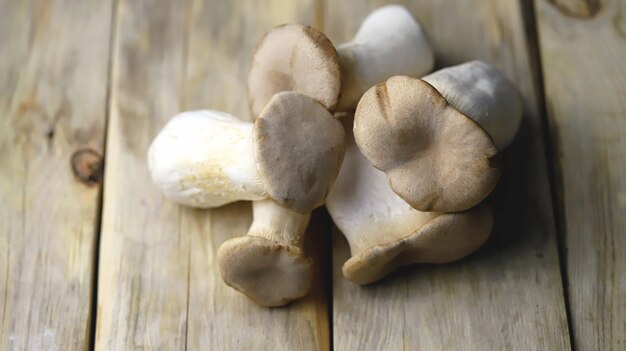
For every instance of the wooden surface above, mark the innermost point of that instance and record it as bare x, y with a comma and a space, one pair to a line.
159, 285
140, 272
53, 86
583, 50
506, 296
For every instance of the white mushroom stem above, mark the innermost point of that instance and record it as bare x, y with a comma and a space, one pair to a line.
205, 159
278, 224
365, 208
484, 94
389, 42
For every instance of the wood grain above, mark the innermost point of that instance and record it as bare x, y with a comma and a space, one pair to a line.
159, 285
584, 64
53, 82
509, 294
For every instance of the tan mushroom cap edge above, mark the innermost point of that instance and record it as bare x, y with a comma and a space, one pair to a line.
446, 238
298, 148
270, 274
294, 57
436, 158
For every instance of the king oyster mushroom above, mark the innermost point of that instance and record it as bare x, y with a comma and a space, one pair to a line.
291, 154
269, 264
437, 138
385, 233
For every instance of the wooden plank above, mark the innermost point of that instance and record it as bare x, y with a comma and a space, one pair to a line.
509, 294
159, 284
53, 83
583, 51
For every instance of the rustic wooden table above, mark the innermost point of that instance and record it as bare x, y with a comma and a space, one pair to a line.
91, 255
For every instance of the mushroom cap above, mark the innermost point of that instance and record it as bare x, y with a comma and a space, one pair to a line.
294, 57
269, 273
298, 147
435, 158
446, 238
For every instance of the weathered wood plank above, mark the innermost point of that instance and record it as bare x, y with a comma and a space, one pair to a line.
509, 294
583, 50
159, 284
222, 42
142, 278
53, 82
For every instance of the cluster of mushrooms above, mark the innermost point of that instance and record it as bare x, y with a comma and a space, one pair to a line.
402, 163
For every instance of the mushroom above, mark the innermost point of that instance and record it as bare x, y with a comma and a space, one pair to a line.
300, 58
294, 57
205, 159
385, 233
291, 154
268, 264
439, 143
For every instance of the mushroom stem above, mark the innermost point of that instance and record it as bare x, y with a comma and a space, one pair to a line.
205, 159
268, 264
278, 224
365, 208
395, 228
484, 94
385, 233
389, 42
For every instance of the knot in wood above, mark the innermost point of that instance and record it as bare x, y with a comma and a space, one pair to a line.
87, 166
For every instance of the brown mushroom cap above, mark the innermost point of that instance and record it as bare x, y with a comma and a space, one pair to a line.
436, 158
269, 273
298, 148
294, 57
446, 238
